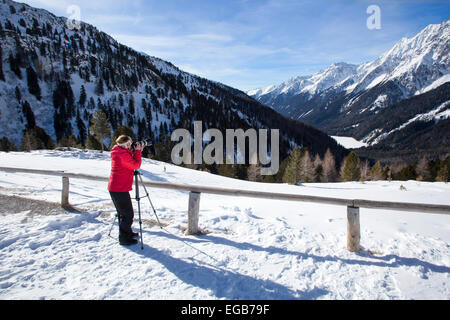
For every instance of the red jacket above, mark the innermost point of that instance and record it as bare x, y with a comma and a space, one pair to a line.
123, 164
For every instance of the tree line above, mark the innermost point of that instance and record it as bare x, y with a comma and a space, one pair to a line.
300, 166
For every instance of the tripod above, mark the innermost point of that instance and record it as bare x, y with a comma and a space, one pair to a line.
137, 179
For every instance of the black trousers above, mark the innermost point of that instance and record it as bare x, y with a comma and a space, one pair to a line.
125, 212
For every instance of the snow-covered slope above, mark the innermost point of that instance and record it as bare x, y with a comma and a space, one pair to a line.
255, 249
413, 63
349, 142
311, 85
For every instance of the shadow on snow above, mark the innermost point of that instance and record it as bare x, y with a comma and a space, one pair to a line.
391, 260
224, 283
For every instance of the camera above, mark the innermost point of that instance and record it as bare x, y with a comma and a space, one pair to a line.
143, 143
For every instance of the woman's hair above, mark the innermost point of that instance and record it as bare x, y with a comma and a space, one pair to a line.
121, 140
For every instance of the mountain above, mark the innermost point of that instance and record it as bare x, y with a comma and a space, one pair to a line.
346, 100
304, 86
54, 77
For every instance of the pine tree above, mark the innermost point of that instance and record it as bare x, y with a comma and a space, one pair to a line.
435, 166
14, 64
131, 105
28, 142
292, 173
99, 87
22, 23
73, 142
100, 127
81, 130
163, 149
389, 174
18, 94
377, 173
350, 168
83, 97
444, 172
29, 115
6, 145
408, 172
307, 174
329, 167
82, 45
2, 76
121, 101
9, 25
423, 170
42, 49
318, 168
33, 84
93, 144
35, 139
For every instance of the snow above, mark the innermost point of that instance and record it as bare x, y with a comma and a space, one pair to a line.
349, 142
256, 249
311, 84
439, 113
435, 84
304, 114
376, 81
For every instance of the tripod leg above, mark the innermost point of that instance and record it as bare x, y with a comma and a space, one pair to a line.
112, 225
140, 226
136, 173
148, 196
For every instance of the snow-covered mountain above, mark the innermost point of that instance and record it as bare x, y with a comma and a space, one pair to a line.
54, 78
413, 64
340, 98
310, 85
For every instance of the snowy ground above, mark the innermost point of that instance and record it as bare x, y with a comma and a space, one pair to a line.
349, 142
255, 249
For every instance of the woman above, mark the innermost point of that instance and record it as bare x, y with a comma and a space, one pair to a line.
123, 164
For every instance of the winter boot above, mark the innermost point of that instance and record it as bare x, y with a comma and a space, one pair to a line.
126, 240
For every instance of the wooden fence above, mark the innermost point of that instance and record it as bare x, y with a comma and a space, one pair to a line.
353, 206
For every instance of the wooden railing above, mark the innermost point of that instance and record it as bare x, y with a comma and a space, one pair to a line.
353, 205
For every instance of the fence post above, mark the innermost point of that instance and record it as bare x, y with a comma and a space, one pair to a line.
193, 209
353, 229
65, 192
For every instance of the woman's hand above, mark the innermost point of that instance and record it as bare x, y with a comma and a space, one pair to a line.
139, 147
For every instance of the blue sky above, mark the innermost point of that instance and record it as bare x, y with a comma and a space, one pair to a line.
249, 44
